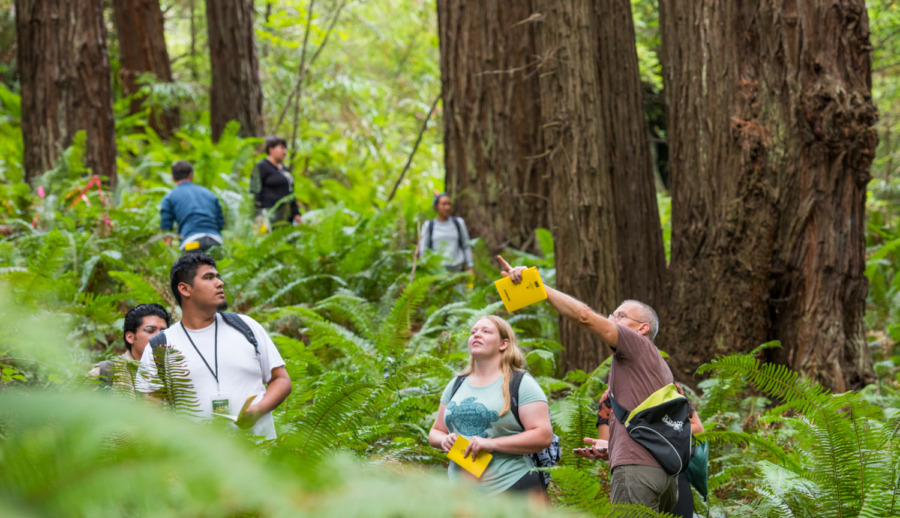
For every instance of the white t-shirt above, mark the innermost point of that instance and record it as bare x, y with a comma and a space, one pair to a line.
240, 372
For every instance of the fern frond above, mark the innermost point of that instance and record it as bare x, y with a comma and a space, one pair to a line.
336, 399
787, 459
580, 490
175, 387
123, 372
776, 380
396, 329
288, 288
349, 307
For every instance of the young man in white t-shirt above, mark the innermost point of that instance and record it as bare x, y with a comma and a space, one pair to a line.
225, 368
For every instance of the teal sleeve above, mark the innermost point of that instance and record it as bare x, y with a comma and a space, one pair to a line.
530, 391
445, 397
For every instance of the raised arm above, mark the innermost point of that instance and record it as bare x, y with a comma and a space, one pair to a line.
571, 308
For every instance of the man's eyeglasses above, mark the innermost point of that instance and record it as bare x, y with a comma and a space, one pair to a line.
618, 315
151, 330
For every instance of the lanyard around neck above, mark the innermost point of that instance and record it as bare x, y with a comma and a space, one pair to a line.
216, 349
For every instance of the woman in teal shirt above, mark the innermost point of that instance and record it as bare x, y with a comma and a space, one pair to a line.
479, 410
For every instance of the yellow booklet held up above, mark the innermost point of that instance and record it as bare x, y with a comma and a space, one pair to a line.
527, 292
475, 467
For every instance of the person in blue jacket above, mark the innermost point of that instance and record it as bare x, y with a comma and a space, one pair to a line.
195, 209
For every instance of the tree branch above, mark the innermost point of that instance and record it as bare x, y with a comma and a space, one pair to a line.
287, 104
304, 73
415, 147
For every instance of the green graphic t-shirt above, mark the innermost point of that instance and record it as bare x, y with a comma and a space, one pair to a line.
475, 412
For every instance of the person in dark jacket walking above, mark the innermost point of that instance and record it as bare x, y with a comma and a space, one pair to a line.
273, 186
194, 208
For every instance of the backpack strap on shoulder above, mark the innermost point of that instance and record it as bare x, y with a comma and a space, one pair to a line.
619, 411
514, 383
158, 340
429, 242
456, 384
235, 321
461, 242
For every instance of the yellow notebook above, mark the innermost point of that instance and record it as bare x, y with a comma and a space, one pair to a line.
527, 292
475, 467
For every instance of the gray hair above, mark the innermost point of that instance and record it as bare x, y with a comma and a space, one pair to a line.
648, 315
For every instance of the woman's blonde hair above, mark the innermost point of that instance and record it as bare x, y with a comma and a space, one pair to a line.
511, 359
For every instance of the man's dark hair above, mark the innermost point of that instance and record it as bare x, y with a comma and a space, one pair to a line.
185, 269
274, 141
135, 317
181, 170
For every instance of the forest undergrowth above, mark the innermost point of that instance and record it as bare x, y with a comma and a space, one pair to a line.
369, 348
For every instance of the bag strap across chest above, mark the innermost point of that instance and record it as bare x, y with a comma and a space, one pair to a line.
232, 319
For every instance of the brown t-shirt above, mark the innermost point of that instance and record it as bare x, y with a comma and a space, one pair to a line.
637, 371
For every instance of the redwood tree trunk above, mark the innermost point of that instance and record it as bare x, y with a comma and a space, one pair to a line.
582, 208
771, 135
64, 71
142, 48
235, 93
641, 254
492, 140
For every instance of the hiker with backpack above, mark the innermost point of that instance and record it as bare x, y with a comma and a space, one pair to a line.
684, 507
447, 235
499, 408
644, 457
229, 357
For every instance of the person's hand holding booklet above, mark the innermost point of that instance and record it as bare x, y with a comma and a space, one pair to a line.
476, 466
242, 415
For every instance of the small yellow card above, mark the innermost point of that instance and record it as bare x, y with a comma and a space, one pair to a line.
527, 292
475, 467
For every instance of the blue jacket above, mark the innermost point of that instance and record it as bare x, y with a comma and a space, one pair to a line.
195, 209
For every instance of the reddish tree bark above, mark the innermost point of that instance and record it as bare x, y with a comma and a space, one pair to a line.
771, 134
582, 207
235, 93
641, 257
492, 138
142, 48
64, 72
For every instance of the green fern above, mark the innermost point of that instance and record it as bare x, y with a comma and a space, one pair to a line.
841, 451
324, 422
172, 381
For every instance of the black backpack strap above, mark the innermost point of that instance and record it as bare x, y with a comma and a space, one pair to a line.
158, 341
514, 383
619, 411
462, 245
456, 383
235, 321
429, 243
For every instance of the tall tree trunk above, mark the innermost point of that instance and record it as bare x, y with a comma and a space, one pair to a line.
583, 218
64, 71
142, 48
641, 254
492, 140
771, 135
235, 93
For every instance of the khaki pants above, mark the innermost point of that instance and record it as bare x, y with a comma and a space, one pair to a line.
652, 487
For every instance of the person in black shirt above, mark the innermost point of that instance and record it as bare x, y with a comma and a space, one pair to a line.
273, 186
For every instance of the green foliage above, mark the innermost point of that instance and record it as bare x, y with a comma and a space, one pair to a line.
369, 346
839, 457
